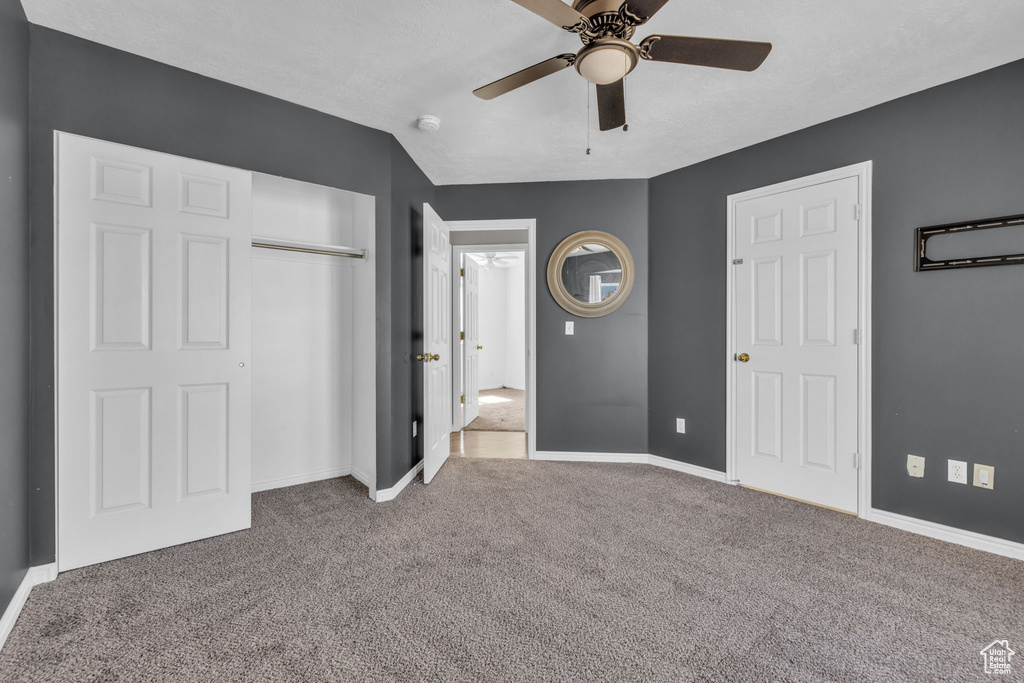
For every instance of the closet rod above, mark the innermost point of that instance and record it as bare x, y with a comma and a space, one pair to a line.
337, 251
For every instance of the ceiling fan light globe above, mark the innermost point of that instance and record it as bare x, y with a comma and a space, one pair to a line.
605, 62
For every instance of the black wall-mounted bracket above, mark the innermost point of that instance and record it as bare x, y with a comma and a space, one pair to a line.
922, 235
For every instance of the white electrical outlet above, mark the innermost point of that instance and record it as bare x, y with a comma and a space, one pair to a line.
680, 425
957, 471
915, 465
570, 327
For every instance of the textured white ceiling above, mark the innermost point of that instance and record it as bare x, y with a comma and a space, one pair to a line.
382, 63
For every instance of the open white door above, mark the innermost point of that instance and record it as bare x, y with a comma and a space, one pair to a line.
471, 345
437, 343
153, 387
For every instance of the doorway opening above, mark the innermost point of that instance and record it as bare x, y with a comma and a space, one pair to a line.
492, 353
214, 336
492, 316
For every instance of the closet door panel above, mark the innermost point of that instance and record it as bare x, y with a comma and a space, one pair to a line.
153, 386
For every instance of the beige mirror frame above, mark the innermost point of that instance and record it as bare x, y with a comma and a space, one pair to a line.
562, 295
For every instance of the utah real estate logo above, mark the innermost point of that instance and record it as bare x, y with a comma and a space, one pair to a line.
997, 657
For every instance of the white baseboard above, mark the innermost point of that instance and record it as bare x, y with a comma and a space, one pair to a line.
971, 539
695, 470
362, 477
641, 458
304, 478
384, 495
33, 577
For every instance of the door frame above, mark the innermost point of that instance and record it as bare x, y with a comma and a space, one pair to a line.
530, 247
862, 172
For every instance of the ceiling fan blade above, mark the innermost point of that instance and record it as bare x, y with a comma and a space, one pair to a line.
527, 75
611, 105
557, 12
637, 12
741, 55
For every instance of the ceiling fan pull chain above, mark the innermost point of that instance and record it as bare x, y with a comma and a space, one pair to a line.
586, 89
625, 126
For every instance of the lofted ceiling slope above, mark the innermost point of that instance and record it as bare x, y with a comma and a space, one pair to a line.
382, 63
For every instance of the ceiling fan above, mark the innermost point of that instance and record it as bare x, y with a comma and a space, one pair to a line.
607, 56
491, 260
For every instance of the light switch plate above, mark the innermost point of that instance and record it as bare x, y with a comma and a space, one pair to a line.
957, 471
414, 425
570, 327
984, 476
680, 425
915, 465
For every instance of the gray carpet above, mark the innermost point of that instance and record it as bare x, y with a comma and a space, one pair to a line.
506, 416
507, 570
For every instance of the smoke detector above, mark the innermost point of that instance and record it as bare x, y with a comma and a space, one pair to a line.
428, 123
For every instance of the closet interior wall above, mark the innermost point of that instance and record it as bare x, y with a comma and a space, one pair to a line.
313, 323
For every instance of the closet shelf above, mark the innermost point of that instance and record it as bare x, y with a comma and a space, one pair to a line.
308, 248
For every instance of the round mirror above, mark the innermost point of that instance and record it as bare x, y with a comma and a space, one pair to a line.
590, 274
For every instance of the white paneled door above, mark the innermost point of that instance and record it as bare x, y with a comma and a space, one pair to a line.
153, 335
437, 343
471, 327
795, 325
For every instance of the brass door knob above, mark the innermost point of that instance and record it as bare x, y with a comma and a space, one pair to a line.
478, 347
425, 359
435, 357
743, 358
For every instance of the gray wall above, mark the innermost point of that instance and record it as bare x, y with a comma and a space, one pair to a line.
409, 190
13, 298
85, 88
591, 387
947, 380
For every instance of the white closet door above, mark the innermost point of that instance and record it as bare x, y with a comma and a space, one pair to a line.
471, 326
437, 343
795, 311
153, 385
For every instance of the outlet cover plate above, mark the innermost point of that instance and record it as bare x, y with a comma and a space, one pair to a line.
957, 471
681, 425
984, 476
915, 465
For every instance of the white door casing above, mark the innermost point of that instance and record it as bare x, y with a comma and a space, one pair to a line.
471, 350
796, 314
437, 343
153, 344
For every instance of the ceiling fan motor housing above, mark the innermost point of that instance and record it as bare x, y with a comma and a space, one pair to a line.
606, 20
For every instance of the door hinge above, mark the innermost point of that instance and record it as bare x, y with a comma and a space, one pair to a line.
737, 262
462, 272
856, 211
856, 336
462, 335
856, 461
462, 399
